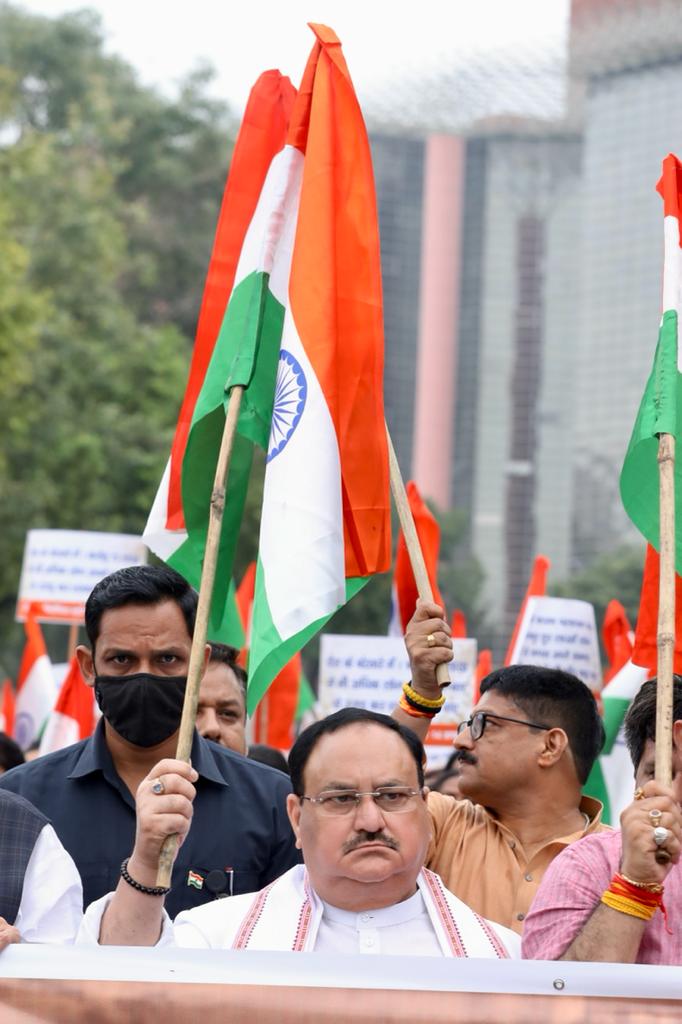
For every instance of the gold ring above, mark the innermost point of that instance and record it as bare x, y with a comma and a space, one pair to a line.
639, 794
655, 814
431, 640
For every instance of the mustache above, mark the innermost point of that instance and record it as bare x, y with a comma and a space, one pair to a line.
464, 757
360, 838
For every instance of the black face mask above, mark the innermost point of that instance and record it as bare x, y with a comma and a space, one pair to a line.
144, 709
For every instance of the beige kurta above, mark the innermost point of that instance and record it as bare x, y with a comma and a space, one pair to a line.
483, 862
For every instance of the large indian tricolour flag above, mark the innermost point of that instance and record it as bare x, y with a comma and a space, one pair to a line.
660, 411
302, 332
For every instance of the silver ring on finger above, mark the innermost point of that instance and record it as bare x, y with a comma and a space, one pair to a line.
158, 787
661, 835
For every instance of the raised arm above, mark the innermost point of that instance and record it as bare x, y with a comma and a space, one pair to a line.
425, 654
575, 916
164, 807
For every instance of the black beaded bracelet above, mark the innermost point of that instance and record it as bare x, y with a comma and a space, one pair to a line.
149, 890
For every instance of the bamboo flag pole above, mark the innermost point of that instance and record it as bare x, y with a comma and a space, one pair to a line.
72, 641
195, 670
412, 542
666, 617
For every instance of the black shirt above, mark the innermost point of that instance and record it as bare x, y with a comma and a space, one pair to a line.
240, 830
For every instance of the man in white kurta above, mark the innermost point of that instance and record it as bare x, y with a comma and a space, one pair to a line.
359, 814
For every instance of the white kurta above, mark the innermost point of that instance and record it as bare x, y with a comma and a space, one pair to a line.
51, 905
289, 915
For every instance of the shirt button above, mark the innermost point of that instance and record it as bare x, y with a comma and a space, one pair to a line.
529, 878
368, 940
520, 917
365, 918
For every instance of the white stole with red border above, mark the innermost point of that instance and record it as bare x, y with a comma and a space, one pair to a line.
286, 915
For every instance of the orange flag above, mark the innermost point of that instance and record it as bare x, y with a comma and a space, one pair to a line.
7, 713
428, 532
537, 586
617, 636
483, 668
645, 651
73, 716
458, 624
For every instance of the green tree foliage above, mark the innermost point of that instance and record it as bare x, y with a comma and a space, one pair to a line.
109, 198
616, 575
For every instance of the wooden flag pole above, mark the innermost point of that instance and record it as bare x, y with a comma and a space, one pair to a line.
412, 544
666, 617
72, 641
195, 670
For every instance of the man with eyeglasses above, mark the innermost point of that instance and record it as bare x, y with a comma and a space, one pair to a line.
359, 815
524, 755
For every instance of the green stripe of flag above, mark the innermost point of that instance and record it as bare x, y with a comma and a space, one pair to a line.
246, 353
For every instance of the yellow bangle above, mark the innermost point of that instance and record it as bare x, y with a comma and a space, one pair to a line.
425, 702
628, 906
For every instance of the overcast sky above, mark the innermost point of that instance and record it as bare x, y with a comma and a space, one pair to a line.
164, 39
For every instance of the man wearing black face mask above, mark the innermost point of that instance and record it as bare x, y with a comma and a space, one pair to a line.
139, 623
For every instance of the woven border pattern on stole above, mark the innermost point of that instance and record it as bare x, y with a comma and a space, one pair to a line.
495, 941
251, 920
449, 924
303, 926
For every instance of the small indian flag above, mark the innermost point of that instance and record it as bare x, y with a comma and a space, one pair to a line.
195, 879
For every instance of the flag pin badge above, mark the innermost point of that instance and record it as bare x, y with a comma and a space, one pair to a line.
195, 879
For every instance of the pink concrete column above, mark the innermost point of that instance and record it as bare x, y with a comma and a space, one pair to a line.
434, 421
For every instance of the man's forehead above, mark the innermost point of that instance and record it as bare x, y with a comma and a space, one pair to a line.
495, 704
162, 622
222, 682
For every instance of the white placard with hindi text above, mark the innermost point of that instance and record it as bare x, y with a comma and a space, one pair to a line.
61, 567
369, 671
561, 633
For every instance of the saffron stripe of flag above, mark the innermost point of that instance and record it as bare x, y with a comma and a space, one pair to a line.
73, 716
325, 525
617, 636
660, 410
645, 651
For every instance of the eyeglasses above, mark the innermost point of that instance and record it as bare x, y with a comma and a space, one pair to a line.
335, 802
476, 724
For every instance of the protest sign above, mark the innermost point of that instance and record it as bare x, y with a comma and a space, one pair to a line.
61, 567
560, 633
369, 671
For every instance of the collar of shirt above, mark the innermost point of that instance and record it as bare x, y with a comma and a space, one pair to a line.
95, 757
588, 805
383, 917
